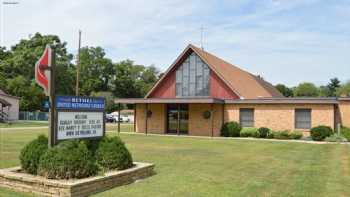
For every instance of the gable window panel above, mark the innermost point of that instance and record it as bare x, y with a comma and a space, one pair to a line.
302, 118
246, 117
192, 77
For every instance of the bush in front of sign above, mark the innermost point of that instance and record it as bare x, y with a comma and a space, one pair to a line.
69, 159
31, 153
113, 154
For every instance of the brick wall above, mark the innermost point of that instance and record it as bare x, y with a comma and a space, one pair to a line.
281, 117
155, 123
200, 126
344, 112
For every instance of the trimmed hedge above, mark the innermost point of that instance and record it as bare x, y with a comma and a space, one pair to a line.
31, 153
335, 138
345, 131
287, 135
112, 154
319, 133
263, 132
69, 159
231, 129
249, 132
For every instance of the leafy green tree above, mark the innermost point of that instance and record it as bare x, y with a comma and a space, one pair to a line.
332, 86
110, 105
306, 89
133, 81
324, 91
287, 92
96, 70
344, 90
32, 97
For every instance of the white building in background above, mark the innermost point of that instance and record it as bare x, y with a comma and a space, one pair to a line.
9, 107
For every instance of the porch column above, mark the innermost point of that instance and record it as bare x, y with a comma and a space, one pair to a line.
178, 119
212, 119
135, 117
118, 118
146, 114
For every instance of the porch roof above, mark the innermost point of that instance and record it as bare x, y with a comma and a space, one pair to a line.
167, 100
305, 100
231, 101
4, 103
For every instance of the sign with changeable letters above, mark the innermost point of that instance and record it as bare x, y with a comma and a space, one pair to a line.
79, 117
71, 125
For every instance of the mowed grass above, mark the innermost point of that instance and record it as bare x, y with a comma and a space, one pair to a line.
216, 167
24, 124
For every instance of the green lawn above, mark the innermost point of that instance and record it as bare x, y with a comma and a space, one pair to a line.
215, 167
24, 124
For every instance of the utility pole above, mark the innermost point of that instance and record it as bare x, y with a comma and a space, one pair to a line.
78, 67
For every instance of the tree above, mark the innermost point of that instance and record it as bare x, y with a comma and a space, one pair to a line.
344, 90
133, 81
324, 91
287, 92
96, 70
306, 90
332, 86
32, 97
110, 105
17, 70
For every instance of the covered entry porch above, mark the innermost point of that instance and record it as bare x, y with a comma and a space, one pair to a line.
177, 116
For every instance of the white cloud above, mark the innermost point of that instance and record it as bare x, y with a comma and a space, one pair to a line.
286, 41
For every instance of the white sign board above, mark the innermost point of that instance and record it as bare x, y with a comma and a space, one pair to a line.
72, 125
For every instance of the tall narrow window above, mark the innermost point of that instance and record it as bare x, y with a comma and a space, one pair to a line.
192, 77
246, 117
302, 118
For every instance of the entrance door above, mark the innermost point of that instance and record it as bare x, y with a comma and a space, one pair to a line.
177, 118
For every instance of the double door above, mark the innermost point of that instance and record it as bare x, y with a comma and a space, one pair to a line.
177, 119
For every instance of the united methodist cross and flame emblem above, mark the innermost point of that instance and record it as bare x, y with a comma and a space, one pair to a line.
42, 72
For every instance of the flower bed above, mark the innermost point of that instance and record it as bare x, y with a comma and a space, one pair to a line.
16, 179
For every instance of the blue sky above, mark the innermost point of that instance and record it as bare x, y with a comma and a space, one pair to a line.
284, 41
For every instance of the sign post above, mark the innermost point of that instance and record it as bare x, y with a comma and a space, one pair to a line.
45, 77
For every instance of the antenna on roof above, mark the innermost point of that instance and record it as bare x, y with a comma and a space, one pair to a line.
202, 34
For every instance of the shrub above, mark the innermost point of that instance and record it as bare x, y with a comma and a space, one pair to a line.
335, 138
282, 135
286, 134
271, 135
295, 135
231, 129
320, 133
69, 159
112, 154
263, 132
249, 132
345, 131
31, 153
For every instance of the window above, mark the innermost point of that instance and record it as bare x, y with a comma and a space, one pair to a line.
246, 117
192, 77
302, 118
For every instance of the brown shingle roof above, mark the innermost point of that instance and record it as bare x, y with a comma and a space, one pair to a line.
243, 83
247, 85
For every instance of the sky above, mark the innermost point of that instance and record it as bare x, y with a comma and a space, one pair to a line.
284, 41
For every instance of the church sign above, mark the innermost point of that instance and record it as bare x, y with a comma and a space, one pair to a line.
70, 117
79, 117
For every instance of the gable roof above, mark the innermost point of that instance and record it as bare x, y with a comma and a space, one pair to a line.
243, 83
